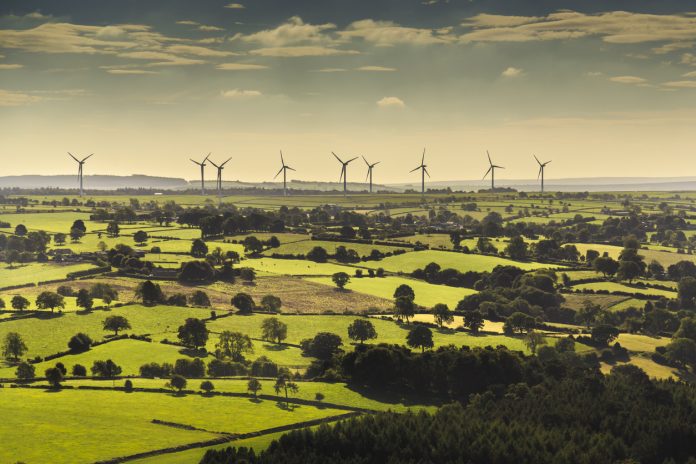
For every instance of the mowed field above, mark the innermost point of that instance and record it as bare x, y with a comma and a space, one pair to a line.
427, 295
409, 262
120, 424
617, 287
32, 273
663, 257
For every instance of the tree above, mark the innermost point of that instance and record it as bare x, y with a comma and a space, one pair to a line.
252, 245
54, 376
140, 237
518, 322
606, 265
59, 238
247, 274
629, 270
243, 302
149, 292
405, 291
79, 343
196, 272
207, 386
76, 234
442, 314
340, 279
473, 320
534, 340
404, 309
13, 347
283, 383
200, 298
517, 248
116, 323
105, 369
588, 313
271, 303
681, 351
79, 224
20, 230
604, 334
274, 330
361, 330
177, 382
318, 255
112, 230
19, 302
687, 291
193, 333
25, 371
323, 346
104, 292
234, 345
84, 299
254, 386
199, 249
49, 300
420, 337
79, 370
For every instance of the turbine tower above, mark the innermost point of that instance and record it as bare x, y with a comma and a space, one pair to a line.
492, 171
344, 173
79, 169
219, 175
369, 171
542, 166
202, 165
284, 169
424, 171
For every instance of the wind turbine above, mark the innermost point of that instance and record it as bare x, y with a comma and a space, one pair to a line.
424, 171
79, 169
369, 171
202, 165
284, 169
492, 171
344, 173
542, 166
219, 175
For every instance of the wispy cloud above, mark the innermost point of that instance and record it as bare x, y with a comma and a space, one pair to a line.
681, 84
306, 50
293, 32
240, 67
130, 71
330, 70
388, 33
239, 94
628, 80
376, 69
512, 72
235, 6
198, 51
391, 102
11, 66
12, 98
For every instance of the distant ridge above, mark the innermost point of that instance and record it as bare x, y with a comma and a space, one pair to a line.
98, 182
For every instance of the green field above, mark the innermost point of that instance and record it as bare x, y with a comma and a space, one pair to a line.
49, 222
427, 295
120, 424
304, 247
617, 287
409, 262
32, 273
663, 257
295, 267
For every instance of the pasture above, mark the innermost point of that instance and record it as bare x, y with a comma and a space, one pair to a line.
617, 287
32, 273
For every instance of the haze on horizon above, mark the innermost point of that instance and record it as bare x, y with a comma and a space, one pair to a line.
601, 88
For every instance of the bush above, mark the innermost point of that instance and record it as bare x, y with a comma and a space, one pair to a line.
128, 385
78, 370
219, 368
264, 367
80, 343
189, 368
153, 370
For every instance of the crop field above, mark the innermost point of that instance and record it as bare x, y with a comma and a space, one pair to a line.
49, 222
427, 295
32, 273
627, 303
35, 415
663, 257
295, 267
617, 287
409, 262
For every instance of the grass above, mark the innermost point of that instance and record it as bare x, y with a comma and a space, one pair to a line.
627, 303
41, 426
295, 267
302, 327
650, 367
409, 262
663, 257
49, 222
641, 343
427, 295
617, 287
303, 247
50, 333
21, 274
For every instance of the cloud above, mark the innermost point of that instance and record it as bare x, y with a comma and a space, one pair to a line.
388, 33
10, 98
628, 80
690, 74
375, 68
130, 71
10, 66
672, 47
199, 26
240, 67
512, 72
329, 70
681, 84
294, 31
613, 27
306, 50
391, 102
235, 6
166, 59
198, 51
240, 94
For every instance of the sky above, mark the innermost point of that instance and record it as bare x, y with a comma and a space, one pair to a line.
602, 88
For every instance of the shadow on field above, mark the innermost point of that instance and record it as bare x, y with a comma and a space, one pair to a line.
45, 315
287, 406
275, 347
193, 353
391, 397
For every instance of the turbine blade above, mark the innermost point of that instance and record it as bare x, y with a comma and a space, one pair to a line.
486, 174
282, 161
86, 158
206, 158
415, 169
426, 171
194, 161
423, 157
288, 167
368, 164
541, 168
351, 160
375, 164
281, 170
367, 176
547, 162
537, 160
489, 158
226, 161
343, 170
211, 162
336, 156
71, 155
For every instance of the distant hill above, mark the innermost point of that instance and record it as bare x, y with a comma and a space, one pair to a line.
94, 182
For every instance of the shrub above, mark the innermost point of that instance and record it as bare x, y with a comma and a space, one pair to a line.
78, 370
264, 367
80, 343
